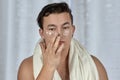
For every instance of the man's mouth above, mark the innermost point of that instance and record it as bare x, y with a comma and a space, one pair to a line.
61, 42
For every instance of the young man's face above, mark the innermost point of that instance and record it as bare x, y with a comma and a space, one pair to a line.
57, 24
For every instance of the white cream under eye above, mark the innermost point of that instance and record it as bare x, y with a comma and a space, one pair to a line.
66, 32
49, 33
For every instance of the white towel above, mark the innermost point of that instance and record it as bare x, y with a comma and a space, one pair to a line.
81, 64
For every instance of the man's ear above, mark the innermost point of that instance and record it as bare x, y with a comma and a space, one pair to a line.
41, 33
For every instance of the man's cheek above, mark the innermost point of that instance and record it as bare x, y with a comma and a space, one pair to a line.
66, 33
50, 34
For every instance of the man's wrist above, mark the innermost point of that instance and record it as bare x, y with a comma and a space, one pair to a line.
49, 68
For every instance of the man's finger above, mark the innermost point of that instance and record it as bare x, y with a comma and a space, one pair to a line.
59, 50
56, 43
52, 41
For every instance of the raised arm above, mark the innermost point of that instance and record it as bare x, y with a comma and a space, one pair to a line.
51, 58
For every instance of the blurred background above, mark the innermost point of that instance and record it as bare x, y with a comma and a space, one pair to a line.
97, 28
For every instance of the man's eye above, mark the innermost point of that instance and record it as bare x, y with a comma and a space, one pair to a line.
51, 29
65, 27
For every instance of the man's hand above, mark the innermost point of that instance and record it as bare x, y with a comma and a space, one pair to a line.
52, 52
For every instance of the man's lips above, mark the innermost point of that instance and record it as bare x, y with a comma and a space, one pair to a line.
61, 42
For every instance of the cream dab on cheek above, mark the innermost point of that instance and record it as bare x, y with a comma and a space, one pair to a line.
66, 32
49, 33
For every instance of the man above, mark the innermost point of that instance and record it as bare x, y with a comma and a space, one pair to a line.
57, 55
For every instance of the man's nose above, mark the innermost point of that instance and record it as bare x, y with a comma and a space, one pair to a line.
60, 32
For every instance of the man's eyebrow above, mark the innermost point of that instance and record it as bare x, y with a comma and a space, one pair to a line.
51, 25
66, 23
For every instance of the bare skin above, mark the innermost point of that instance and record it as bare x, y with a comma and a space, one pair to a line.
101, 70
57, 33
27, 68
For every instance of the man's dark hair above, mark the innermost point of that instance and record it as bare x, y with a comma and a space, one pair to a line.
53, 8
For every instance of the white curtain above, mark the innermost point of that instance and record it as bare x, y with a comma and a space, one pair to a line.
97, 28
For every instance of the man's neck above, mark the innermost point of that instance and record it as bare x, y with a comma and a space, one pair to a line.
64, 56
63, 68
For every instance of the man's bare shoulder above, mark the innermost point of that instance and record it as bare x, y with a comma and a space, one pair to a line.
101, 70
25, 71
28, 61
